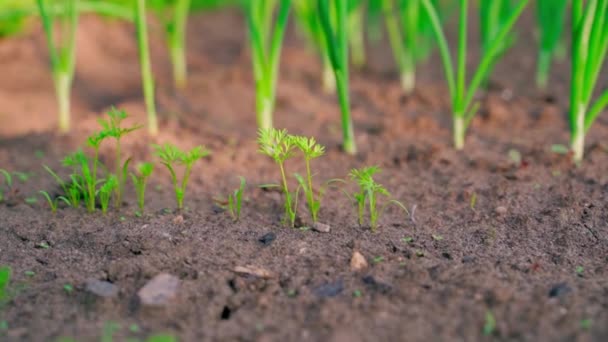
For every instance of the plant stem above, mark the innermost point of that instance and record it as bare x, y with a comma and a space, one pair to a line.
310, 193
543, 66
578, 134
119, 177
288, 205
459, 131
265, 107
329, 80
177, 41
63, 84
146, 67
357, 37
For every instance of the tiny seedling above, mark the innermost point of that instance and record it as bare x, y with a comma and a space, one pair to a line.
62, 54
31, 200
311, 150
473, 202
112, 129
30, 273
579, 270
437, 237
161, 338
54, 202
463, 107
235, 201
105, 193
68, 288
72, 190
490, 325
266, 42
357, 294
378, 259
368, 195
22, 176
8, 180
407, 239
586, 324
5, 278
334, 22
589, 51
80, 164
279, 146
43, 245
140, 180
171, 156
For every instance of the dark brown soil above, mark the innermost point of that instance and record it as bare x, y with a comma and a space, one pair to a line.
514, 254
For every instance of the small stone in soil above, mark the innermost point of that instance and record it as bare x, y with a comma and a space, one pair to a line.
357, 262
101, 288
559, 290
376, 285
160, 290
267, 238
468, 259
500, 210
253, 271
321, 227
330, 289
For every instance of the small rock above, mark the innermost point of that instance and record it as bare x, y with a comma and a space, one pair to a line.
321, 227
329, 289
160, 290
559, 290
500, 210
253, 271
377, 285
468, 259
179, 219
267, 239
357, 262
101, 288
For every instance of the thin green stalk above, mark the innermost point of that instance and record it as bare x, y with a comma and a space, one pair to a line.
357, 36
266, 43
62, 55
463, 108
589, 48
177, 43
336, 37
550, 15
146, 67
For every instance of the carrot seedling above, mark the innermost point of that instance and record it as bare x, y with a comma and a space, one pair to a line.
279, 146
140, 180
5, 278
112, 129
72, 190
550, 15
368, 196
266, 39
463, 108
589, 47
146, 67
311, 150
8, 180
84, 173
54, 202
171, 156
234, 202
105, 193
336, 38
62, 55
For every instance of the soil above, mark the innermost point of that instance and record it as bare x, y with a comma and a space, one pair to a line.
526, 241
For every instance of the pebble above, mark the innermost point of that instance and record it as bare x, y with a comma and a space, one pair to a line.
559, 290
330, 289
267, 238
101, 288
253, 271
376, 285
357, 262
179, 219
321, 227
500, 210
159, 291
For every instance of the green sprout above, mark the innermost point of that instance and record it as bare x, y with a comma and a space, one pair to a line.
105, 193
311, 150
174, 16
590, 44
279, 146
550, 15
112, 129
171, 156
266, 42
54, 202
490, 325
72, 190
336, 37
140, 180
463, 108
5, 278
369, 194
8, 180
235, 201
410, 36
146, 67
62, 55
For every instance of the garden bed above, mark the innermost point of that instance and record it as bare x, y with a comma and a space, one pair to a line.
524, 241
